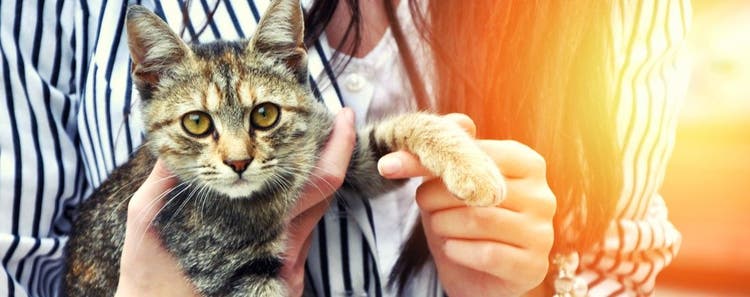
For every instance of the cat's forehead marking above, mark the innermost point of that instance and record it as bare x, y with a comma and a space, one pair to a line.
203, 98
261, 92
212, 97
246, 93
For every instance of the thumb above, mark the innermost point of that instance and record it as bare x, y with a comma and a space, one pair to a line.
146, 267
147, 200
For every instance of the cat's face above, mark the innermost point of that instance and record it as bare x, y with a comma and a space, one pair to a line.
232, 117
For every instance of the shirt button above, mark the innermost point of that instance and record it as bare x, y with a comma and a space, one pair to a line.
354, 82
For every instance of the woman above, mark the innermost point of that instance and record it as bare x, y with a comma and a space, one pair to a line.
539, 74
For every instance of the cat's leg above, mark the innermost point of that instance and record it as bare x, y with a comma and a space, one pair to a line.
244, 286
268, 287
211, 281
443, 148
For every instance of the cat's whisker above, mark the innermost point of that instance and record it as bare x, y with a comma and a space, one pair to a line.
195, 189
320, 178
202, 193
194, 193
205, 190
127, 185
326, 163
143, 235
149, 206
306, 174
179, 209
291, 183
331, 187
276, 181
277, 178
301, 174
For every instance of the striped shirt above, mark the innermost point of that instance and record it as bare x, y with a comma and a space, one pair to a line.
67, 120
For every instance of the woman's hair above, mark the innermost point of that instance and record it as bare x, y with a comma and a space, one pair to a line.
538, 72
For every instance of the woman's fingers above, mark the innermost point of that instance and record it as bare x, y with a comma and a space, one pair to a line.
403, 164
531, 196
514, 159
523, 195
504, 248
299, 231
464, 121
331, 168
491, 224
527, 188
482, 223
147, 200
293, 271
432, 195
324, 181
498, 259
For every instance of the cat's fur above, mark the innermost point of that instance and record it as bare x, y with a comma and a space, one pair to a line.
226, 229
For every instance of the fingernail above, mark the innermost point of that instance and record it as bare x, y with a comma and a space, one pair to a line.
348, 115
389, 165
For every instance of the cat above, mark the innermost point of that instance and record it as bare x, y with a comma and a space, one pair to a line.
237, 123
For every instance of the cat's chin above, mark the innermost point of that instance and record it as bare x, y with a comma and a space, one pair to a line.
237, 189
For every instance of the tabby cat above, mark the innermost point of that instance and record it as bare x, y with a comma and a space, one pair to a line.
237, 123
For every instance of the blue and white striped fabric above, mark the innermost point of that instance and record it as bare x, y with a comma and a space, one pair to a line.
67, 120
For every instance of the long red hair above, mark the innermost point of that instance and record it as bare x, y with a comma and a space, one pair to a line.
537, 72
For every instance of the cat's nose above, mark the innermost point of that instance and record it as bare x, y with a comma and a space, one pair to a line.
238, 166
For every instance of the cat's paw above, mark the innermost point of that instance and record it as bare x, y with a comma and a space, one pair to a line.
476, 181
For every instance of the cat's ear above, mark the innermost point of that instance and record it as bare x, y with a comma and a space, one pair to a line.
280, 35
154, 47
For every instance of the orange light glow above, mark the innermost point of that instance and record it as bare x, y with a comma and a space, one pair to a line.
707, 187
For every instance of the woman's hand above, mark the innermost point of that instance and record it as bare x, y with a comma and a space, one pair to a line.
488, 251
146, 267
325, 180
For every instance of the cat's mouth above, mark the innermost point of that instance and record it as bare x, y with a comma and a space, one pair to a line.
240, 182
237, 187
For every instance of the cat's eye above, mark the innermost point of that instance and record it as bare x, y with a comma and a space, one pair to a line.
197, 123
265, 115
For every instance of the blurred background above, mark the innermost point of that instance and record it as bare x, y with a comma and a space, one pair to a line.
707, 187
